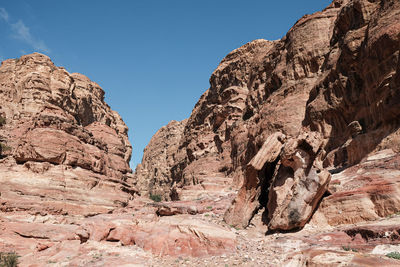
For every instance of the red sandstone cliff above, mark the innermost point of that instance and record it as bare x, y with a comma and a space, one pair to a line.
153, 175
280, 117
306, 128
67, 151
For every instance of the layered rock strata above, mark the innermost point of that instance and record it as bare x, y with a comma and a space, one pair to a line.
334, 75
67, 151
153, 175
306, 126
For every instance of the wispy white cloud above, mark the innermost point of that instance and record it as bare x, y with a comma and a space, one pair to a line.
4, 14
22, 32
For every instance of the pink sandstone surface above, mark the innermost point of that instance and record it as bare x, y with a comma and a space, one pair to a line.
290, 158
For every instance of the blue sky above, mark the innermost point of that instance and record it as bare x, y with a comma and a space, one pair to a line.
152, 58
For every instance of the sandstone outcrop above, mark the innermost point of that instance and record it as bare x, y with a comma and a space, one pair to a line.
153, 175
366, 192
298, 185
298, 134
66, 188
251, 196
350, 102
68, 152
334, 75
135, 232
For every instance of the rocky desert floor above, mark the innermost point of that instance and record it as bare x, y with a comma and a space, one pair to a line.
190, 232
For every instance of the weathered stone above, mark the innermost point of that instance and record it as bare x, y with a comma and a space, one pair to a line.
327, 96
335, 73
259, 172
298, 184
64, 141
153, 175
365, 192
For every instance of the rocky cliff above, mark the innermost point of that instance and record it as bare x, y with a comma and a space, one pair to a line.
153, 175
285, 119
65, 150
67, 194
290, 158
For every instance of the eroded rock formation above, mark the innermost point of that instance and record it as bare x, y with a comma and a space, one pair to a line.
66, 188
153, 175
299, 183
350, 103
305, 127
67, 151
366, 191
330, 87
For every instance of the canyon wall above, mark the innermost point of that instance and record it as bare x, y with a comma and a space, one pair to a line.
281, 117
64, 149
153, 175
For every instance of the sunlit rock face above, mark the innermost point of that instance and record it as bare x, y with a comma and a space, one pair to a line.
334, 77
153, 175
300, 133
67, 151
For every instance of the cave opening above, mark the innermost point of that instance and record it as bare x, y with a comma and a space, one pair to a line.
265, 175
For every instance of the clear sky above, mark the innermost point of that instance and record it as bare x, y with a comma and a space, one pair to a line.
153, 58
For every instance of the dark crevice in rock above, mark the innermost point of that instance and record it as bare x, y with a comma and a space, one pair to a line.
248, 114
83, 238
109, 238
31, 236
373, 234
266, 176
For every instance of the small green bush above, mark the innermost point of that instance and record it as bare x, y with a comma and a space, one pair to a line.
347, 248
9, 259
2, 121
155, 198
236, 228
394, 255
4, 147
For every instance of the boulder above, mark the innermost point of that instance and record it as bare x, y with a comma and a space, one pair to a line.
299, 183
259, 173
